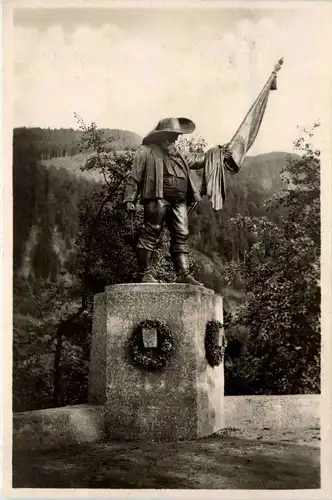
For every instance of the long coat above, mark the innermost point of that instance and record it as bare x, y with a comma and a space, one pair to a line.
146, 177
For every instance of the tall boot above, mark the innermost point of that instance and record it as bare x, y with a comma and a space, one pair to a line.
181, 265
144, 266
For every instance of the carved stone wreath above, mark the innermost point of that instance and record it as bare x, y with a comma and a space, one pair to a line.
151, 358
214, 352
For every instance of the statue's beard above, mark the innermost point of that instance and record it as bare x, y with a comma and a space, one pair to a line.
170, 147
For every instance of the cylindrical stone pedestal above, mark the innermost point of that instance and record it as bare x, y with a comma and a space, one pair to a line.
183, 400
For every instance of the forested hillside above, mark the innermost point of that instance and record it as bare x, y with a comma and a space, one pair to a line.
49, 143
60, 249
47, 208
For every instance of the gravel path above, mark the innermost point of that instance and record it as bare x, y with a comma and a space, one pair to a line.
213, 463
270, 442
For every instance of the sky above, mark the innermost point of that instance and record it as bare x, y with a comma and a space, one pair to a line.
128, 68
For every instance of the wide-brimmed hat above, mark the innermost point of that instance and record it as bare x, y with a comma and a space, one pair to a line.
169, 128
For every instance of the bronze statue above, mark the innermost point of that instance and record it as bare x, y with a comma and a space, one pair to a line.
161, 176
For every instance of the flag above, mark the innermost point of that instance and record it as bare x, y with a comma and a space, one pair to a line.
239, 145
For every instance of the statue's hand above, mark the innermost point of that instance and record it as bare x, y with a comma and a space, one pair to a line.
226, 152
130, 207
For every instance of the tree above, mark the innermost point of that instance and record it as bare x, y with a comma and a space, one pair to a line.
106, 232
39, 307
101, 256
281, 274
191, 143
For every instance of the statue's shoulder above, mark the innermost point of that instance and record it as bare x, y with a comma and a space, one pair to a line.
141, 153
150, 150
141, 150
145, 150
147, 155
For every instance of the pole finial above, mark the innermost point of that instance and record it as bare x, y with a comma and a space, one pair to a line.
279, 64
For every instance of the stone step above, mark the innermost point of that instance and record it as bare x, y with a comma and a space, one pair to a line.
58, 427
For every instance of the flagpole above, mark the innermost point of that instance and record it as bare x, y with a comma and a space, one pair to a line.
245, 135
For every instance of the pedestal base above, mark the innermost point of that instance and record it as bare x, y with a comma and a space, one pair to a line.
183, 400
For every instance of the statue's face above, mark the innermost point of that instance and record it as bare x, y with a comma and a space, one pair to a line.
169, 141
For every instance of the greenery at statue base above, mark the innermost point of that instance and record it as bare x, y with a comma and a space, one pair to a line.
72, 237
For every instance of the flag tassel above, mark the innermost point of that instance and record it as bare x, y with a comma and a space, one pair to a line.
277, 67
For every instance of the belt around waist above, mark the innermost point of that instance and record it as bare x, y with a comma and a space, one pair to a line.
177, 183
175, 189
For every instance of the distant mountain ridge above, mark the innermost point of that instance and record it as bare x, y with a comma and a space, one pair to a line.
60, 148
263, 169
47, 143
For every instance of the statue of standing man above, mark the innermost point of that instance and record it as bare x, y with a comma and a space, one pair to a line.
161, 177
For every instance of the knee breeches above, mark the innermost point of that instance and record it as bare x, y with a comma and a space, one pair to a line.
174, 216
